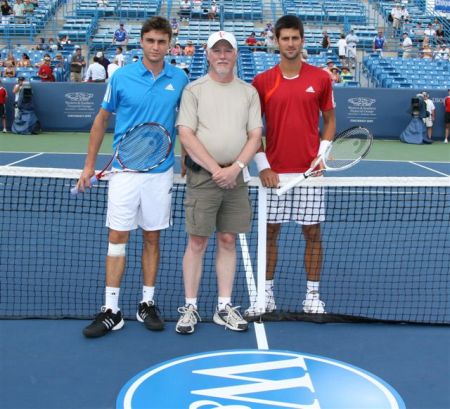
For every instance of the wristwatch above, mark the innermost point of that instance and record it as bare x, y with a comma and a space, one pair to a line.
240, 164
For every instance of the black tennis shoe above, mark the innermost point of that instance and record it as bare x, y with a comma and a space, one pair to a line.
149, 314
104, 322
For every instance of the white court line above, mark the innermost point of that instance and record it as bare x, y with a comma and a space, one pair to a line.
24, 159
260, 331
430, 169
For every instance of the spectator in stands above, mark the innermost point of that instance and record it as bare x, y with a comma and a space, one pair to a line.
39, 63
342, 48
328, 66
378, 43
301, 92
417, 33
185, 9
442, 52
175, 28
212, 12
136, 200
189, 50
64, 40
396, 14
28, 10
52, 46
439, 35
102, 3
407, 46
326, 42
176, 50
11, 59
45, 72
76, 65
332, 71
113, 67
352, 41
404, 14
119, 56
9, 71
426, 51
58, 61
96, 72
16, 92
18, 10
120, 36
430, 31
24, 61
219, 148
269, 42
346, 75
6, 12
3, 99
102, 60
447, 116
429, 120
251, 40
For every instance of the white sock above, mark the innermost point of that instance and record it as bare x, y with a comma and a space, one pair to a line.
223, 301
269, 285
112, 299
147, 294
312, 286
192, 301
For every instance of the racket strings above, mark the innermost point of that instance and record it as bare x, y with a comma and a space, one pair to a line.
144, 148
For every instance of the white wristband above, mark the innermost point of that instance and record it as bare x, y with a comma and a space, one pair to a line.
261, 161
324, 144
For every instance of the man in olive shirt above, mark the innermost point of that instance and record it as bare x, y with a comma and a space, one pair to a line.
220, 129
76, 66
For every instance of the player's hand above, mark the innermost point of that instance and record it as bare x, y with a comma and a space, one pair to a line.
317, 166
84, 182
269, 178
225, 178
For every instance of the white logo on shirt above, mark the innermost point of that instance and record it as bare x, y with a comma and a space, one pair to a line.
311, 90
170, 88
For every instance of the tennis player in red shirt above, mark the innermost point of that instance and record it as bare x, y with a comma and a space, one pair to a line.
293, 94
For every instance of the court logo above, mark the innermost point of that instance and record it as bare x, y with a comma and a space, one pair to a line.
254, 379
79, 96
362, 102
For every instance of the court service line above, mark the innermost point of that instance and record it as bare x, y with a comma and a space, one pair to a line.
260, 331
24, 159
430, 169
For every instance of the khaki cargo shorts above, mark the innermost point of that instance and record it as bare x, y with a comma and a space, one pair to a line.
209, 208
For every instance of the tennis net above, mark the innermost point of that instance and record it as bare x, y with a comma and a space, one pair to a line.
386, 252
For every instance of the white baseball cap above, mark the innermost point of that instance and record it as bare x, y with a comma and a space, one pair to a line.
221, 35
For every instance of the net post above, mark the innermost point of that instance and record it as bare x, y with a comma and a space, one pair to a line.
262, 239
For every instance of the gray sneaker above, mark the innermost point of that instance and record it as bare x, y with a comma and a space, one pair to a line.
231, 318
188, 319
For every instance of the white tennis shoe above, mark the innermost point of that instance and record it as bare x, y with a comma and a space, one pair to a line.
253, 310
312, 304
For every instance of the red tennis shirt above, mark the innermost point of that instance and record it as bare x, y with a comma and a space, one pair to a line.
292, 108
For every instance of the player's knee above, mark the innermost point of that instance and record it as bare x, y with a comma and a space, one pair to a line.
117, 250
198, 244
312, 232
151, 238
226, 240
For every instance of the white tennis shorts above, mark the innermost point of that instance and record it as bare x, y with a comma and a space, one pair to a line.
428, 122
139, 200
303, 205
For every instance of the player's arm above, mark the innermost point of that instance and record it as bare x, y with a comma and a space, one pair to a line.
328, 132
96, 136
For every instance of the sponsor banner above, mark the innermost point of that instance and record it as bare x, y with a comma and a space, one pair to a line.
442, 5
257, 379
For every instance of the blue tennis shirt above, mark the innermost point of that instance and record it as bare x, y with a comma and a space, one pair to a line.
136, 96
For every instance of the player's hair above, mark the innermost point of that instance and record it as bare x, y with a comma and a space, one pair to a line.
289, 21
157, 23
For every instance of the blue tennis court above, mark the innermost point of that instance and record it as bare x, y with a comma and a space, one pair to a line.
49, 364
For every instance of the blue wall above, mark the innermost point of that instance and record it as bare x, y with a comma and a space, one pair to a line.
73, 106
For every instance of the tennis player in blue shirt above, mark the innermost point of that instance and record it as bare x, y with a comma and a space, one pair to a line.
147, 91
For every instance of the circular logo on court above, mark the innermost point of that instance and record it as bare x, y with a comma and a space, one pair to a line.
257, 379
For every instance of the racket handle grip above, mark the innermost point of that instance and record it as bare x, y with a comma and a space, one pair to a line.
74, 191
289, 185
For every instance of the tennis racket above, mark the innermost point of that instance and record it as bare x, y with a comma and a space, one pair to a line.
346, 150
140, 149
